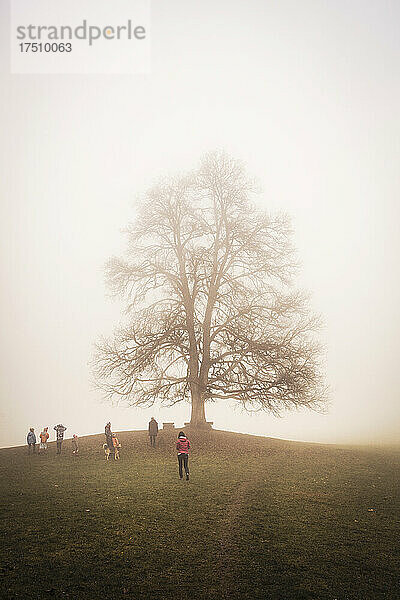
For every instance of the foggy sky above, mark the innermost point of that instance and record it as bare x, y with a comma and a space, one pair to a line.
307, 95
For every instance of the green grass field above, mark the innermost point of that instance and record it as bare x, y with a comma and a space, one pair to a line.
260, 518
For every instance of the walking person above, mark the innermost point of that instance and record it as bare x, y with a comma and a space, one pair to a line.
183, 446
31, 441
43, 436
153, 431
75, 447
60, 429
109, 440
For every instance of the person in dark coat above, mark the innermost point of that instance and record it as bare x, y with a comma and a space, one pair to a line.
109, 438
59, 429
153, 431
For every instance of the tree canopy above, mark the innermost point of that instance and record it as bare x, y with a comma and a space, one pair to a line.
211, 308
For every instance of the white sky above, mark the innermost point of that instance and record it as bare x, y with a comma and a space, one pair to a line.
307, 94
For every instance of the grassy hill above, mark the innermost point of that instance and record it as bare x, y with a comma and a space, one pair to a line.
261, 519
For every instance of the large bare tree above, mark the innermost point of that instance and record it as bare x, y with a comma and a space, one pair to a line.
211, 312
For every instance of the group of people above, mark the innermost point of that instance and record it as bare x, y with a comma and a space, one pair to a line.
182, 445
112, 443
44, 436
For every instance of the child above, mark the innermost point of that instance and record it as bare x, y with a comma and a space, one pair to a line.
75, 447
116, 446
31, 440
44, 436
183, 445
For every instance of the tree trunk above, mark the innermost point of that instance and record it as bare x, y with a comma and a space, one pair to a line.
198, 416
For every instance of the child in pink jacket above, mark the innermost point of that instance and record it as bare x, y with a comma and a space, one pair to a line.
183, 446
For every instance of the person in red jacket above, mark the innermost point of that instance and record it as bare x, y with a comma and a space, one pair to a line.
182, 446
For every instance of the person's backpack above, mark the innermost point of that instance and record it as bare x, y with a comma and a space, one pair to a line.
183, 445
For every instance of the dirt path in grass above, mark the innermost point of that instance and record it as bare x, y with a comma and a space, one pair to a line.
227, 563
